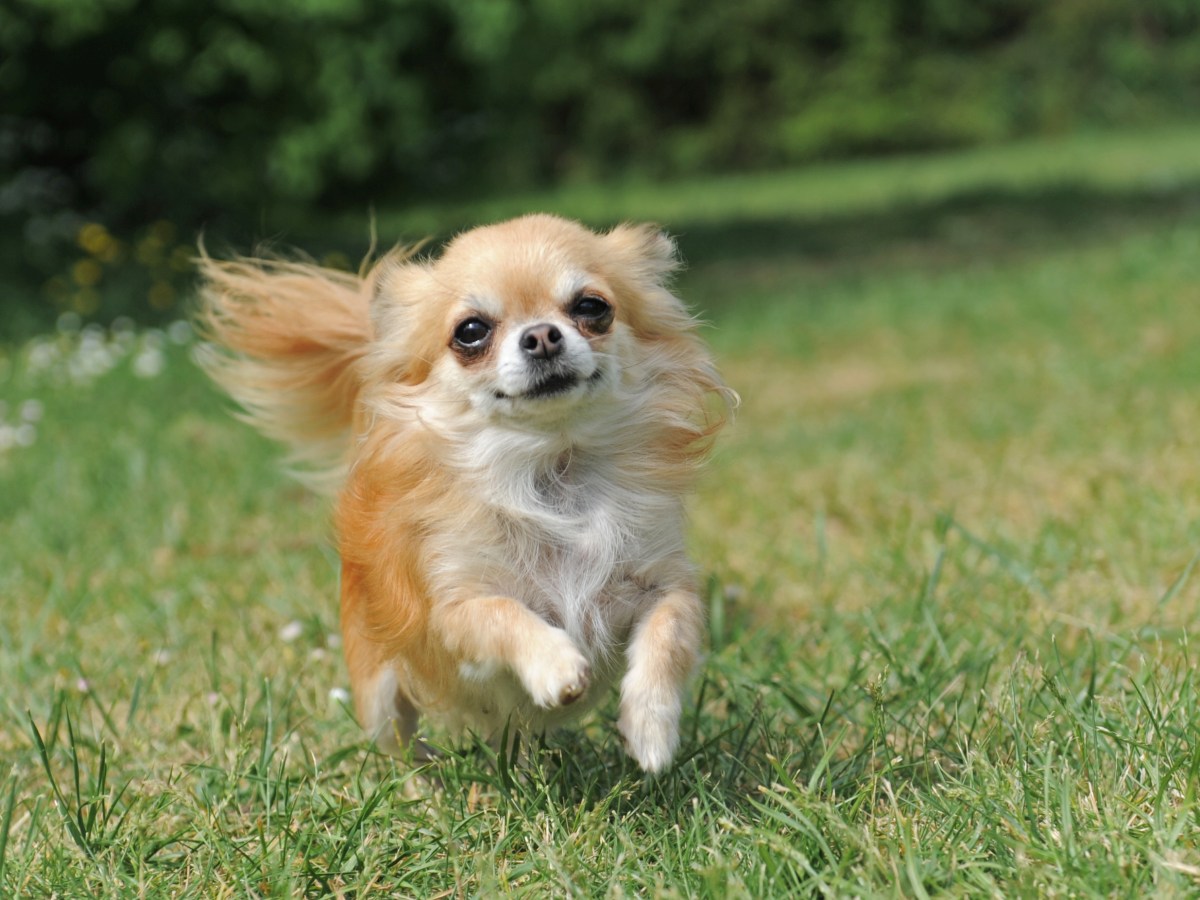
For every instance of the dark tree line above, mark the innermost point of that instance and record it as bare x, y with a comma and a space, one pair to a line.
127, 112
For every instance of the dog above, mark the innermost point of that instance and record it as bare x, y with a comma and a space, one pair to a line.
511, 428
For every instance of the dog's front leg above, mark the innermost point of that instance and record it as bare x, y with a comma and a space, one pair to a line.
662, 656
498, 630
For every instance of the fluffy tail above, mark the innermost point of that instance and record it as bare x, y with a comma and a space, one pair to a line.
286, 341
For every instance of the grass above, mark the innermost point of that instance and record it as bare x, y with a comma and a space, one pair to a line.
951, 547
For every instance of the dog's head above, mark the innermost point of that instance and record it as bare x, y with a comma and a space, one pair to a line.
534, 319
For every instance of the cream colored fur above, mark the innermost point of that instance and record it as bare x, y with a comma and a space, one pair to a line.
511, 524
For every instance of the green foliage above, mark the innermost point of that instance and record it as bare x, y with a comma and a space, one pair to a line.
133, 110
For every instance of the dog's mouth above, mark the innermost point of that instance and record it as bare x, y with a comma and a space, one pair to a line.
552, 385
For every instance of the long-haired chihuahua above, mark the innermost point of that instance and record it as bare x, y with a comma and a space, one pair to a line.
511, 428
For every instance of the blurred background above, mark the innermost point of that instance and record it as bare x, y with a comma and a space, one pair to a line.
128, 128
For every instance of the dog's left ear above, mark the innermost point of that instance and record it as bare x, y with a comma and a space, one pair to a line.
646, 252
644, 259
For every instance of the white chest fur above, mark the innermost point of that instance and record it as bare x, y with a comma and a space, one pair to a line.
577, 536
585, 551
582, 547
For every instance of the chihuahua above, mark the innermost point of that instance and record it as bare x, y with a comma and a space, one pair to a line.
510, 429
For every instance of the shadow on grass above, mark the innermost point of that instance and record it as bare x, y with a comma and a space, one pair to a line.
754, 722
978, 227
762, 719
995, 220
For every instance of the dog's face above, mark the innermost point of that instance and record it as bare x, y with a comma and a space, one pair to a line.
533, 325
527, 320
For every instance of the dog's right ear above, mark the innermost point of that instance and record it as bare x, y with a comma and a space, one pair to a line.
403, 316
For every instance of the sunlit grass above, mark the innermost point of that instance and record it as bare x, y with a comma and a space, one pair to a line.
949, 546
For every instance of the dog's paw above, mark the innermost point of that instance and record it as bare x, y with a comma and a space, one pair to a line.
650, 727
558, 674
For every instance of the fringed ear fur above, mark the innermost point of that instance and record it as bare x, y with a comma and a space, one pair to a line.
649, 254
646, 261
404, 321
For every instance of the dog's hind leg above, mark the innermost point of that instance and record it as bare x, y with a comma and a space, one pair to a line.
387, 715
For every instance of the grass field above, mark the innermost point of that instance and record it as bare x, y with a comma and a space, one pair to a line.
950, 545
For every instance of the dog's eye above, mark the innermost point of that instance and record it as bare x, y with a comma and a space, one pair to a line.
589, 306
472, 333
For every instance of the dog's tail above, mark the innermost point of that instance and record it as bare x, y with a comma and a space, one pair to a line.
286, 341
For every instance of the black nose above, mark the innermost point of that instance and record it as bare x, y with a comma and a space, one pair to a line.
542, 341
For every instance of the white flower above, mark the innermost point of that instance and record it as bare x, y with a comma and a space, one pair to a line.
123, 338
24, 435
339, 695
93, 357
42, 355
291, 631
149, 362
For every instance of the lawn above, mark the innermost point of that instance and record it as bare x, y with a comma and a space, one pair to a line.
949, 545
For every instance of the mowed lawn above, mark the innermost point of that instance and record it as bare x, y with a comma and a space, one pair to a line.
949, 546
